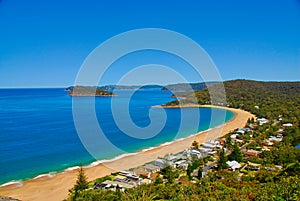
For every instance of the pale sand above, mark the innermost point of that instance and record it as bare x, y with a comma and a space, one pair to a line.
56, 188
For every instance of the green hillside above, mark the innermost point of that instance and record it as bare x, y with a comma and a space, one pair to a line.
264, 99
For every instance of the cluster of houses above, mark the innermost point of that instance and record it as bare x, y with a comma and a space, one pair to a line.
148, 172
278, 137
242, 131
122, 181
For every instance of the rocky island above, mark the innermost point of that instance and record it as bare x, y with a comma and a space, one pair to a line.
88, 91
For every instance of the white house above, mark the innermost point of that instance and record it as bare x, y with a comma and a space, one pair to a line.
208, 145
240, 131
287, 125
233, 165
262, 121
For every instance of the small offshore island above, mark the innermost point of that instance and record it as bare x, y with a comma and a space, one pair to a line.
88, 91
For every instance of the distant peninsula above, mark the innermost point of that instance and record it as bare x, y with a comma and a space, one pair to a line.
88, 91
188, 87
131, 87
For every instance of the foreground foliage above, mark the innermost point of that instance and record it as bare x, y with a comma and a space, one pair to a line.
205, 189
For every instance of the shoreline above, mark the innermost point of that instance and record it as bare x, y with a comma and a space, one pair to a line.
57, 185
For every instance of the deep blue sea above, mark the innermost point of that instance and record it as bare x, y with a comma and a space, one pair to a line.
38, 135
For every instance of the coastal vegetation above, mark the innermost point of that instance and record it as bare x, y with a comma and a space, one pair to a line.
265, 163
188, 86
264, 99
87, 91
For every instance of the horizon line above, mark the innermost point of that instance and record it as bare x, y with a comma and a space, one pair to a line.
65, 86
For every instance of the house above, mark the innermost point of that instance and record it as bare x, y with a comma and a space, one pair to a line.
195, 153
142, 172
240, 131
204, 151
146, 181
208, 145
152, 168
267, 143
182, 163
180, 156
212, 152
160, 162
247, 129
238, 140
124, 173
262, 121
233, 136
251, 152
253, 166
129, 175
113, 185
154, 176
233, 165
265, 149
120, 178
278, 138
222, 141
171, 158
280, 130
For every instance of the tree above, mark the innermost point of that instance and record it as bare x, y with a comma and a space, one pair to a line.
189, 171
236, 154
222, 161
200, 170
158, 180
81, 182
168, 174
228, 142
195, 144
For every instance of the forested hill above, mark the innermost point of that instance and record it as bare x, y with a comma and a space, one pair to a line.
185, 87
266, 99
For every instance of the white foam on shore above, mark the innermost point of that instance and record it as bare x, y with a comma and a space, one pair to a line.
118, 157
14, 184
70, 169
93, 164
49, 175
148, 149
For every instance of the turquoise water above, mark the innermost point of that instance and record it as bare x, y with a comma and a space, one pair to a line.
38, 135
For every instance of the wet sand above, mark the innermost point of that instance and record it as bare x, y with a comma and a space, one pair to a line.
56, 188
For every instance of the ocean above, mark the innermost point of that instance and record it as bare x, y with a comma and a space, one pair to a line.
38, 134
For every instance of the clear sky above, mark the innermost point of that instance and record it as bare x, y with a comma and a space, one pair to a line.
43, 43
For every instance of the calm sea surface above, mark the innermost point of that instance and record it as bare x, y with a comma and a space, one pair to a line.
38, 135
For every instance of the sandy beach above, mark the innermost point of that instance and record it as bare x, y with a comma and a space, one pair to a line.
56, 187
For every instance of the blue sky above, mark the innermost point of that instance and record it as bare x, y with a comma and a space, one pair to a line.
43, 43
